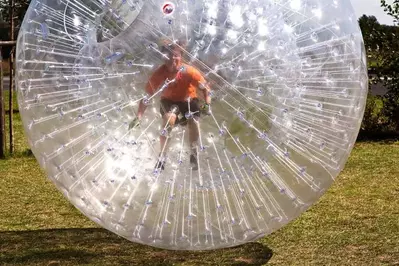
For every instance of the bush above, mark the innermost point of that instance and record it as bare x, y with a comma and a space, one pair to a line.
372, 115
376, 124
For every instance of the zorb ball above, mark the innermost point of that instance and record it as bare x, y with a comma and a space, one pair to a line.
288, 83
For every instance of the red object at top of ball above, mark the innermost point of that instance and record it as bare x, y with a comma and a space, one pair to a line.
168, 8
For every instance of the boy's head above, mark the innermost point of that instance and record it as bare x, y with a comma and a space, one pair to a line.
173, 52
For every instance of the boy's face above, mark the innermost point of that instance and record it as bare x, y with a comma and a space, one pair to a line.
174, 57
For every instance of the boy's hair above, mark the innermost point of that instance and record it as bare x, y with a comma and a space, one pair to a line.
168, 45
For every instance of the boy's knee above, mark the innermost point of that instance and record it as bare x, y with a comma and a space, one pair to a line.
170, 118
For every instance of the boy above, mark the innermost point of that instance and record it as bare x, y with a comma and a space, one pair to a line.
177, 85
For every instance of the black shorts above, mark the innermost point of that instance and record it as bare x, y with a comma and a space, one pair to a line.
183, 108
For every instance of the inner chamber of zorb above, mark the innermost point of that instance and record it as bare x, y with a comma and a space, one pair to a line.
288, 82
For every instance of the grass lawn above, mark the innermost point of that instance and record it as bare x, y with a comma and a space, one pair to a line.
355, 223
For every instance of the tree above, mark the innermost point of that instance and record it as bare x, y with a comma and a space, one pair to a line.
382, 45
390, 68
21, 6
391, 9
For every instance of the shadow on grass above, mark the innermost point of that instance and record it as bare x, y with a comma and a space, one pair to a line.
19, 154
25, 153
100, 247
14, 111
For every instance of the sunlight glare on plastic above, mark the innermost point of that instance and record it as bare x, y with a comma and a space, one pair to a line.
289, 85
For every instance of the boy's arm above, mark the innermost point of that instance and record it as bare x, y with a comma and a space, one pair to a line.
206, 92
151, 87
202, 85
141, 110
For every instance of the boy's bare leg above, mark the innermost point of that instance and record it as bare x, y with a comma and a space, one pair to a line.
193, 134
169, 120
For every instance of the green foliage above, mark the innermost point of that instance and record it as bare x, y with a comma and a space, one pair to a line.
21, 6
391, 9
382, 45
372, 115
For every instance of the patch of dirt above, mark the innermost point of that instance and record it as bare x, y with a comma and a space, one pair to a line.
53, 263
245, 260
159, 254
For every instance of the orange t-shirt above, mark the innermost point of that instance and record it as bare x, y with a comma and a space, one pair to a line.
185, 86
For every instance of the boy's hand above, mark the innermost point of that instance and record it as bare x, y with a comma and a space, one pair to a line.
206, 109
134, 124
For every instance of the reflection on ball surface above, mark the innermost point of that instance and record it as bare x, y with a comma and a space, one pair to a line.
191, 124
